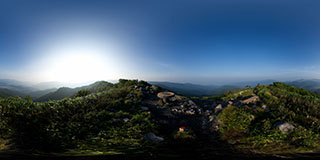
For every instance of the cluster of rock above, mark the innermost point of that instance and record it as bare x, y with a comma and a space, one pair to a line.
211, 121
152, 137
284, 126
178, 104
148, 89
169, 108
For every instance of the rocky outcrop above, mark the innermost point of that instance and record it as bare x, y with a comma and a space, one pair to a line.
252, 99
218, 108
144, 108
152, 137
284, 127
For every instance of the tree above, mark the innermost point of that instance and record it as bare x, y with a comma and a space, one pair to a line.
82, 93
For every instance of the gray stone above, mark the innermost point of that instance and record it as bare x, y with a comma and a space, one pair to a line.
232, 141
116, 120
152, 137
264, 107
215, 124
191, 103
155, 88
173, 99
284, 126
144, 108
126, 119
218, 108
252, 99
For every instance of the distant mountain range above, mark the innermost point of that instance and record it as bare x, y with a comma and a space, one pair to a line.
40, 92
69, 92
43, 91
9, 88
189, 89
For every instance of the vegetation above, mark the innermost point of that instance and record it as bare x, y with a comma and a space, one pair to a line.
94, 122
82, 93
254, 127
108, 118
65, 92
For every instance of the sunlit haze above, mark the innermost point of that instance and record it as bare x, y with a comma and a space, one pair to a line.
203, 42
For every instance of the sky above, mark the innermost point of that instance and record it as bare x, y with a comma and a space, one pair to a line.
204, 42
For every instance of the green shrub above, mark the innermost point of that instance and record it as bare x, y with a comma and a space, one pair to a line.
235, 122
79, 122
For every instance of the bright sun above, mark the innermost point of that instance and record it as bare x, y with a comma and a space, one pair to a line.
79, 64
78, 68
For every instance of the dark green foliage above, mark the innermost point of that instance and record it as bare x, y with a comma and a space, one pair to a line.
79, 123
235, 122
82, 93
4, 92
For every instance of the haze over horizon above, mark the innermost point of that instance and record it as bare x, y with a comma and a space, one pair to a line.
203, 42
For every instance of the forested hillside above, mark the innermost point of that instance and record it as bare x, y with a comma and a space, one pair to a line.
109, 118
65, 92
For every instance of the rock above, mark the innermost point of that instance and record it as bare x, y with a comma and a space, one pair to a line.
284, 126
232, 141
126, 119
179, 98
215, 125
116, 120
264, 107
191, 112
144, 108
191, 103
218, 108
252, 117
173, 99
164, 95
152, 137
211, 118
252, 99
155, 88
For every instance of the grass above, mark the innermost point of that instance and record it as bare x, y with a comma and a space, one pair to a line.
3, 144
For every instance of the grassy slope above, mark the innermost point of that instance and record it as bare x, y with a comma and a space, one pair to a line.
253, 127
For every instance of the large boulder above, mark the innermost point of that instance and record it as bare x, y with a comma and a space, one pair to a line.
218, 108
152, 137
215, 124
155, 88
252, 99
284, 126
144, 108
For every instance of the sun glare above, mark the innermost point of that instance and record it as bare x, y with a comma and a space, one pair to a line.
77, 64
78, 67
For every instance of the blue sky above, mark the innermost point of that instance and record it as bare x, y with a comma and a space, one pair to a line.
204, 42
